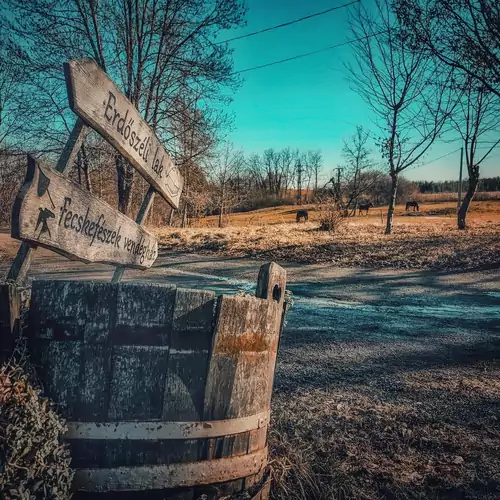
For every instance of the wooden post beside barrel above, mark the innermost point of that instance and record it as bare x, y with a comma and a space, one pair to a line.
166, 391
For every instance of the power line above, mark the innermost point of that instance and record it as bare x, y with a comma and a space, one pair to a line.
288, 23
307, 53
436, 159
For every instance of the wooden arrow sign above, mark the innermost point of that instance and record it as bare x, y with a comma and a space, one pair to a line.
95, 98
54, 212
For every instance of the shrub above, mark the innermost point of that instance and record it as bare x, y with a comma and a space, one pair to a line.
34, 463
331, 216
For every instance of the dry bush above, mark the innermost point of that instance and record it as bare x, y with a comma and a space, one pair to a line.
331, 217
35, 464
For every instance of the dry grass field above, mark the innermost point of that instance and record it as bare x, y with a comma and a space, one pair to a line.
480, 211
424, 240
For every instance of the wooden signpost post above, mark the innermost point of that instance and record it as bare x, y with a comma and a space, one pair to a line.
53, 212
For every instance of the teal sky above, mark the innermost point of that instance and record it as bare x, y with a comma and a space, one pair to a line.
307, 103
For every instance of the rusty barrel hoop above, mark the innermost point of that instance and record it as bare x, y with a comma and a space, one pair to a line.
166, 391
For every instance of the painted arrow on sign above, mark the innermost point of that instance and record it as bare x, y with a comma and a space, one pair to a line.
54, 212
95, 98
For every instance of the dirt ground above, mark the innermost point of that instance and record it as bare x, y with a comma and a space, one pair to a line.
387, 382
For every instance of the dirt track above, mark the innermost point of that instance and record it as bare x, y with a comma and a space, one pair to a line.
375, 303
395, 373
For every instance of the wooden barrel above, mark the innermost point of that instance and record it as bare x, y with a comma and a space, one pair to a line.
166, 391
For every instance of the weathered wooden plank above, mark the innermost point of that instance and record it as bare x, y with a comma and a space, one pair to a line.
21, 263
65, 309
271, 282
73, 145
54, 212
257, 439
118, 453
246, 332
95, 98
271, 285
58, 365
143, 314
192, 331
169, 476
58, 310
137, 382
10, 306
94, 395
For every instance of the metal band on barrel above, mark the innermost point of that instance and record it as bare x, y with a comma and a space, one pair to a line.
153, 430
157, 477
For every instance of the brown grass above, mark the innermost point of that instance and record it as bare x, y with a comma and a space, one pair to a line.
427, 246
479, 211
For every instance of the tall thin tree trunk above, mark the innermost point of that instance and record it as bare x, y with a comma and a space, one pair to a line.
171, 217
221, 214
392, 203
125, 181
471, 191
184, 216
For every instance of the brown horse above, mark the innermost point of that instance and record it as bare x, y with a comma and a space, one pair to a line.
365, 207
302, 214
413, 204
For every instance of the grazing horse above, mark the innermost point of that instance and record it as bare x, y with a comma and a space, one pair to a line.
365, 207
302, 214
413, 204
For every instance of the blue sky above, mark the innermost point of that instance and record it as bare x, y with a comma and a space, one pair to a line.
307, 103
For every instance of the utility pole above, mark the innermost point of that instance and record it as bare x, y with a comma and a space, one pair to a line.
460, 178
299, 183
338, 184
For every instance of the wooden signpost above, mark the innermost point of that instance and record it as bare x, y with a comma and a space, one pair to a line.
95, 98
53, 212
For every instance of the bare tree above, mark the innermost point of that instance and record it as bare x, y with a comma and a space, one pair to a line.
462, 34
409, 95
224, 171
273, 171
162, 53
315, 160
477, 120
359, 172
311, 162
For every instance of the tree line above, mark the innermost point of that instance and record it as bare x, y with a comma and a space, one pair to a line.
487, 184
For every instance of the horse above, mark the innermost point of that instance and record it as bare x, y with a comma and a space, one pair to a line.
365, 207
413, 204
302, 214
